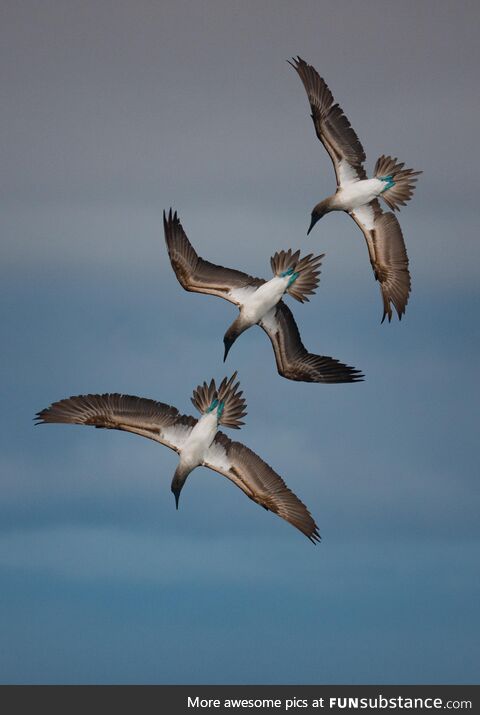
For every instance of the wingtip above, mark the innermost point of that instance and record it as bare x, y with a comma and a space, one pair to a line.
295, 62
167, 218
39, 418
315, 537
171, 217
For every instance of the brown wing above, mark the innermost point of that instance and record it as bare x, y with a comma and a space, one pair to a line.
293, 360
331, 125
388, 256
199, 276
148, 418
259, 482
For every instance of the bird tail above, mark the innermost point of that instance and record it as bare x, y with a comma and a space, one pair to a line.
400, 182
305, 272
232, 403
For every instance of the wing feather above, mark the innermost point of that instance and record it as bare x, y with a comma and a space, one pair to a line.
139, 415
200, 276
332, 126
260, 483
388, 256
293, 360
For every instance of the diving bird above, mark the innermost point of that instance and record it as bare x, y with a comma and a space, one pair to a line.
260, 303
358, 195
197, 442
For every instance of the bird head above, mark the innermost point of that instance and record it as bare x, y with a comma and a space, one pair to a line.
318, 212
179, 479
232, 334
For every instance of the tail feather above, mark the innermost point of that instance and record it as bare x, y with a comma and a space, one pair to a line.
401, 183
234, 404
307, 268
204, 395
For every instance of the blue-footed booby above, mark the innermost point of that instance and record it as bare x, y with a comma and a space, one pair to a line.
260, 303
197, 442
358, 195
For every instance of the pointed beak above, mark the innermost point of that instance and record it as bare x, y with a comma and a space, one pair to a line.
177, 496
312, 224
228, 344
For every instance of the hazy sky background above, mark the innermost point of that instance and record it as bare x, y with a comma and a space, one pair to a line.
113, 111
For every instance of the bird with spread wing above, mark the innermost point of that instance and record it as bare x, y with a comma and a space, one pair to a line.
260, 303
358, 195
197, 442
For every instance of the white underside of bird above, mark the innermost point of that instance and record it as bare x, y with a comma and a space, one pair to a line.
256, 303
194, 450
353, 194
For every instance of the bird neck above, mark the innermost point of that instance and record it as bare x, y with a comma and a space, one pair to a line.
240, 324
180, 476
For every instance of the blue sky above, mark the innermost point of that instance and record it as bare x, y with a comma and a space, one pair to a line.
114, 111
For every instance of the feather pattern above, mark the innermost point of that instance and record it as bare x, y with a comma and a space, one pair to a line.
388, 256
148, 418
260, 483
197, 275
293, 360
403, 181
204, 395
234, 404
331, 125
308, 269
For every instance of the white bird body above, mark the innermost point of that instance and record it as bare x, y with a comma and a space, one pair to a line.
257, 304
193, 452
353, 194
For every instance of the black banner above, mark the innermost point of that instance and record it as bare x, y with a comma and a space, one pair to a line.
208, 699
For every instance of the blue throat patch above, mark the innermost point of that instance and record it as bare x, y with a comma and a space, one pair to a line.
293, 275
389, 181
